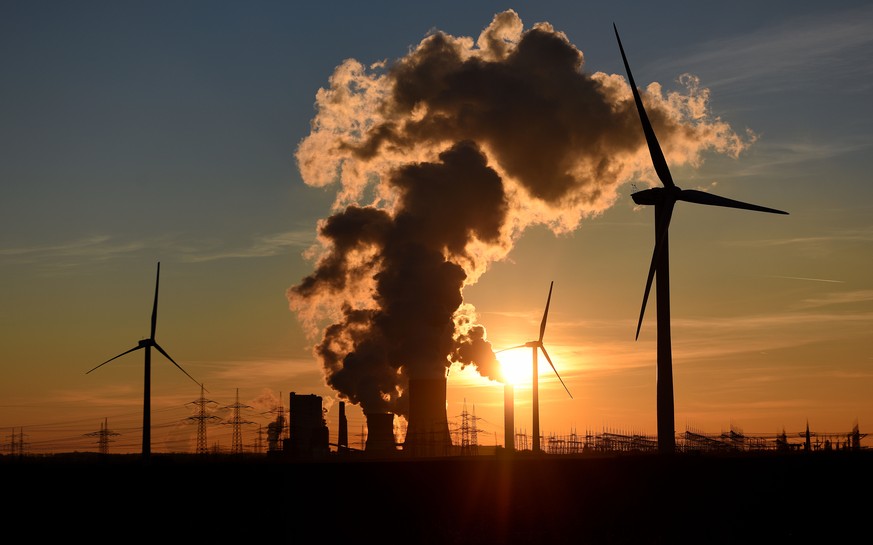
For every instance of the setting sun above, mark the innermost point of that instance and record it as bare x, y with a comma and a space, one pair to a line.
516, 365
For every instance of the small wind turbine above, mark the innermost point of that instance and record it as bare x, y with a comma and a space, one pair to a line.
535, 347
147, 344
664, 198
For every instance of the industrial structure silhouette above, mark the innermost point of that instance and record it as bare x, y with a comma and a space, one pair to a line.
303, 433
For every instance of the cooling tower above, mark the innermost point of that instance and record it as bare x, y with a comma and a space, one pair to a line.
380, 433
427, 432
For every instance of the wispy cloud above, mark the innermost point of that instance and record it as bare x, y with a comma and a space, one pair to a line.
706, 338
262, 246
848, 235
772, 153
256, 371
832, 50
710, 338
65, 256
802, 278
95, 247
838, 298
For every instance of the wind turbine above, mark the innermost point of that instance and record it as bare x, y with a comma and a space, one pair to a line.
535, 347
147, 344
664, 199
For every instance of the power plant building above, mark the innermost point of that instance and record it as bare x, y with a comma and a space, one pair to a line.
307, 428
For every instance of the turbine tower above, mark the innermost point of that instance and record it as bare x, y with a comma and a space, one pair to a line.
148, 344
535, 347
664, 199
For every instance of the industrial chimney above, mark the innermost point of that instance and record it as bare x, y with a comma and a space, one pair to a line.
342, 441
427, 433
380, 434
509, 417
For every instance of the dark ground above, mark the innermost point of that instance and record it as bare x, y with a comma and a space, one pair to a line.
821, 497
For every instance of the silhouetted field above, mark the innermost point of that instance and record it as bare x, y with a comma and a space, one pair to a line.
621, 499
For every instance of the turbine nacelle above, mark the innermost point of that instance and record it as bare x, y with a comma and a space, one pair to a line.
655, 195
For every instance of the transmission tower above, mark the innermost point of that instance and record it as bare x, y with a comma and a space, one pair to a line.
201, 418
465, 431
17, 448
277, 430
103, 436
521, 440
469, 432
259, 442
474, 433
236, 421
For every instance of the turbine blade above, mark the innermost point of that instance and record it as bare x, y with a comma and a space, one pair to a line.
116, 357
155, 307
661, 231
702, 197
548, 359
510, 348
546, 313
658, 160
161, 350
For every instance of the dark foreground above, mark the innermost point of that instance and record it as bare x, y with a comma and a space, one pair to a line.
632, 499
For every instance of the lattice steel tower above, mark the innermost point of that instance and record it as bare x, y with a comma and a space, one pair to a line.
474, 432
201, 418
277, 430
103, 436
237, 422
469, 432
17, 448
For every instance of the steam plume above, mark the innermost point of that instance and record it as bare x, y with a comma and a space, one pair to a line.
442, 158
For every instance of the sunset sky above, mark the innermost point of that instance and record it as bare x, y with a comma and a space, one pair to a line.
214, 138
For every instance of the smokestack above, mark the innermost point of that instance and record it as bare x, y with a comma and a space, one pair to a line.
343, 434
380, 433
509, 417
428, 431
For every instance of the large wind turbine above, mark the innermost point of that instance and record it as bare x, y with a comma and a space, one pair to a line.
147, 344
663, 199
535, 347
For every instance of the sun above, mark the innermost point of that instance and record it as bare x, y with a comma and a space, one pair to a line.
515, 365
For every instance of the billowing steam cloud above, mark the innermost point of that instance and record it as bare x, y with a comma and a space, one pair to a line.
442, 159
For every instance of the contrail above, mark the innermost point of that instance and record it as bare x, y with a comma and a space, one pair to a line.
803, 278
